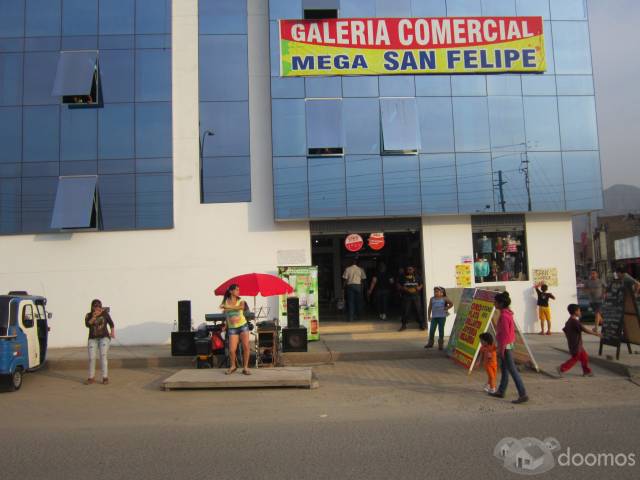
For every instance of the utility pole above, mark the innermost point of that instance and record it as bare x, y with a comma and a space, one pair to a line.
524, 169
499, 186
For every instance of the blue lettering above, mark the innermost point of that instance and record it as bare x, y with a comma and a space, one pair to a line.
298, 63
408, 61
529, 58
359, 62
324, 62
498, 55
484, 61
510, 56
391, 60
453, 56
341, 62
427, 60
471, 59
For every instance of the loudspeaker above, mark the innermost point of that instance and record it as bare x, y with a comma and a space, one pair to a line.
184, 315
293, 312
294, 339
183, 344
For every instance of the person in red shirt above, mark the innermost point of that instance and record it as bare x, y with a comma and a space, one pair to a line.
489, 360
573, 331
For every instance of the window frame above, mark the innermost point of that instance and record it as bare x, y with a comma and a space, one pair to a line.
95, 220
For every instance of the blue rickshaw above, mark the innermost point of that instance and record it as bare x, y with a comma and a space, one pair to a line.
24, 332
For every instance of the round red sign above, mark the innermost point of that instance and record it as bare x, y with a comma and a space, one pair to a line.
376, 241
353, 242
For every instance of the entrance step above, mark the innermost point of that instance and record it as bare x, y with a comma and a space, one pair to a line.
215, 378
329, 328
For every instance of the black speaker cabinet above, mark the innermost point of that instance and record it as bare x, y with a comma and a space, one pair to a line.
293, 312
184, 315
294, 339
183, 344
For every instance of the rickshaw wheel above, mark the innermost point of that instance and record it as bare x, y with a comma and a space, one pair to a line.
15, 380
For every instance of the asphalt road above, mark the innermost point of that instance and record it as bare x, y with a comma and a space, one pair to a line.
402, 419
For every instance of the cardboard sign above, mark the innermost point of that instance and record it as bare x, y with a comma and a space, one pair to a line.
464, 274
548, 276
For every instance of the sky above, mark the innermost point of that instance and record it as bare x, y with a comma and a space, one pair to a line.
614, 51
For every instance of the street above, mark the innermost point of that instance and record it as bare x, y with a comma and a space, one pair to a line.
384, 419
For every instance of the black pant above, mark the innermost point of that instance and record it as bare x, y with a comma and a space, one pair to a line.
412, 302
382, 301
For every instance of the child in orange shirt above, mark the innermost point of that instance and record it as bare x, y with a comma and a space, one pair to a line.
490, 361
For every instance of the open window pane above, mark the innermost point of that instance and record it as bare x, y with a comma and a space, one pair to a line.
324, 127
76, 203
399, 125
75, 75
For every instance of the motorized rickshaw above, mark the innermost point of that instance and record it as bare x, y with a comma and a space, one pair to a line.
24, 331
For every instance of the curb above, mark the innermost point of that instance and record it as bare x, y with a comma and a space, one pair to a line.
145, 362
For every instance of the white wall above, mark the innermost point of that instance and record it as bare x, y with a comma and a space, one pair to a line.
549, 244
142, 274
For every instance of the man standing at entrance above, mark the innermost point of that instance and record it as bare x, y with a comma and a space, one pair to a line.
353, 277
596, 289
411, 289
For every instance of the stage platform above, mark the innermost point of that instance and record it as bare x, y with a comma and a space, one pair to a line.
215, 378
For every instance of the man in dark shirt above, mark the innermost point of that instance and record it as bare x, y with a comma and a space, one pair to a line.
411, 289
573, 331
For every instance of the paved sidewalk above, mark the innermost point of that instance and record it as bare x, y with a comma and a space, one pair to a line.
360, 341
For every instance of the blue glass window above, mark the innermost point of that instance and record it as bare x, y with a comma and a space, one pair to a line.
433, 85
117, 75
429, 8
568, 9
364, 186
154, 165
226, 179
290, 188
229, 121
362, 125
320, 4
153, 130
508, 167
75, 203
224, 68
38, 196
288, 127
8, 170
42, 44
357, 8
475, 182
397, 86
541, 123
548, 48
324, 126
154, 200
80, 17
504, 85
471, 124
43, 18
571, 48
86, 167
222, 16
436, 124
274, 48
12, 18
11, 44
497, 8
41, 134
539, 84
400, 132
39, 74
283, 9
10, 134
393, 8
575, 84
117, 201
153, 75
161, 41
578, 129
360, 86
109, 166
546, 181
153, 16
74, 73
439, 186
401, 175
41, 169
327, 188
116, 42
79, 131
582, 182
85, 42
506, 120
464, 8
323, 87
117, 17
284, 87
115, 131
9, 205
468, 85
538, 8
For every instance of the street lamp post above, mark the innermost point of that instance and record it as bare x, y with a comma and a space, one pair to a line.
203, 137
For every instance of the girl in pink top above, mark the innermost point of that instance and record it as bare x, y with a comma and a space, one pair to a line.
505, 338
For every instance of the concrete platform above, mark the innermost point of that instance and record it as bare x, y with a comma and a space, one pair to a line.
215, 378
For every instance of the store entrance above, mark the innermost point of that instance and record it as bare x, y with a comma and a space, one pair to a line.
329, 254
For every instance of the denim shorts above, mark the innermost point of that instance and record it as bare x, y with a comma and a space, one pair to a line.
238, 330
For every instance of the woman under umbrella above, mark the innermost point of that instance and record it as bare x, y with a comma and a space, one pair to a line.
237, 328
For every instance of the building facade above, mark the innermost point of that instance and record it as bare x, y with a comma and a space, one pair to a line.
151, 149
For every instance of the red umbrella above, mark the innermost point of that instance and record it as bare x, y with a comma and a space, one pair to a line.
252, 284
